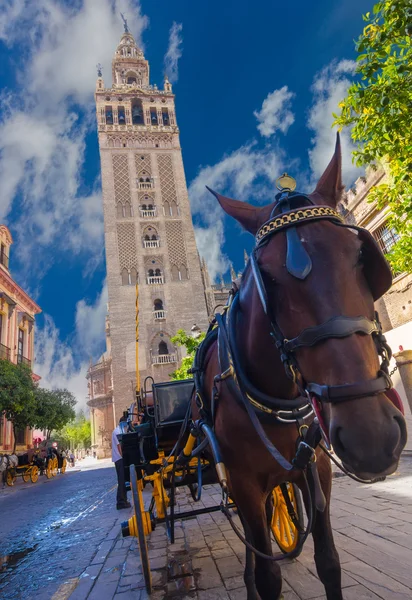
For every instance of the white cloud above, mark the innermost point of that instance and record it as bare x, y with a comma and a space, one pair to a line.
275, 112
64, 364
245, 170
329, 88
174, 52
45, 121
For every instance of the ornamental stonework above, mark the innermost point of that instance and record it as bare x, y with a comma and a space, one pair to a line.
121, 178
126, 239
167, 181
175, 243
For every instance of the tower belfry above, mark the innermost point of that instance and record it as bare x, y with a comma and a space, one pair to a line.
149, 234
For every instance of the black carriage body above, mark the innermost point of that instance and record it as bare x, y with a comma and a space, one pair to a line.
160, 428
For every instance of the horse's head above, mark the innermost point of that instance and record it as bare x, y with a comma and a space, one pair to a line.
321, 278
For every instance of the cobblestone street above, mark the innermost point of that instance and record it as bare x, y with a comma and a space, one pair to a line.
78, 553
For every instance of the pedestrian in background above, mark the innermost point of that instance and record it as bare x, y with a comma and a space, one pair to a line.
118, 463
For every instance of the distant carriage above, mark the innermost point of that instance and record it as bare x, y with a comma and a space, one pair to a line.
31, 464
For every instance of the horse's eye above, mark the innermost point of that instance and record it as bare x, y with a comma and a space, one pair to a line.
361, 256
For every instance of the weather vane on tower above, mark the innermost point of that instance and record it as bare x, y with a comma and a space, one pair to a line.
126, 28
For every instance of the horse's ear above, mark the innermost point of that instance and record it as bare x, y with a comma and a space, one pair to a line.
246, 214
330, 185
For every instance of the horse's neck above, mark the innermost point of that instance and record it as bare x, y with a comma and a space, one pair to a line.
260, 357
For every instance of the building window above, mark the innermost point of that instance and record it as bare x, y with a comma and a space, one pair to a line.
4, 259
386, 237
109, 115
153, 116
121, 115
137, 112
131, 80
20, 346
158, 304
165, 116
20, 437
163, 348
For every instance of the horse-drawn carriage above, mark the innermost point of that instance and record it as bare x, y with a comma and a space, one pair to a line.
45, 460
162, 452
296, 365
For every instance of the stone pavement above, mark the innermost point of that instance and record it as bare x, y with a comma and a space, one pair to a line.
372, 525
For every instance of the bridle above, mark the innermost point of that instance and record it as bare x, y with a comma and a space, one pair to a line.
299, 265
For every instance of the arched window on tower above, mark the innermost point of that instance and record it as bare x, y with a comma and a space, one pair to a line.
137, 112
153, 116
183, 272
165, 116
109, 115
163, 348
119, 210
121, 115
125, 277
127, 209
133, 276
166, 208
158, 304
175, 273
173, 209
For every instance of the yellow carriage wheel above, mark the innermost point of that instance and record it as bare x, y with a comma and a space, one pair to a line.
10, 477
26, 474
284, 530
55, 466
34, 474
140, 526
64, 466
49, 468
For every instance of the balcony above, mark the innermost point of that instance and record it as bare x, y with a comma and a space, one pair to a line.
145, 185
147, 213
4, 352
151, 243
163, 359
159, 315
23, 360
156, 279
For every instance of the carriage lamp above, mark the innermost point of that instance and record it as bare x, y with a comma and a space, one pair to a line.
285, 183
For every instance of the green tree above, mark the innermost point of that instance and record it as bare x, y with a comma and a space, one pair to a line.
54, 409
378, 108
190, 343
77, 433
17, 399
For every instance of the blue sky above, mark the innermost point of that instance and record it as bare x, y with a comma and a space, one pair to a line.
255, 85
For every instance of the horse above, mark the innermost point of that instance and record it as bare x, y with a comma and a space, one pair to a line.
301, 339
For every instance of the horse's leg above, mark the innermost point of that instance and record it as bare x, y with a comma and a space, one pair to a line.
251, 502
249, 573
326, 555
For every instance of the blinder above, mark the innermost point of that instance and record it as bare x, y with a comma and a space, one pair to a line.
377, 270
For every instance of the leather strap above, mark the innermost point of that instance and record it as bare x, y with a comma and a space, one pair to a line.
336, 327
350, 391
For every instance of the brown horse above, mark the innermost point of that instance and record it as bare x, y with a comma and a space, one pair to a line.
366, 430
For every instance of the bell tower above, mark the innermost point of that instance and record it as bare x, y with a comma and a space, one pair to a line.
149, 234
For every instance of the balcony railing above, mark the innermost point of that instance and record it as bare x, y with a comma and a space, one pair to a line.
23, 360
4, 352
163, 359
145, 185
159, 315
147, 213
151, 243
155, 280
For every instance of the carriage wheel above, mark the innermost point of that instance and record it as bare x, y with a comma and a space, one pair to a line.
10, 477
49, 468
55, 466
284, 530
26, 475
142, 527
64, 466
34, 475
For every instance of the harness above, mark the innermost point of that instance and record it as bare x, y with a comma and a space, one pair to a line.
311, 394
